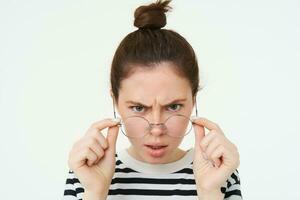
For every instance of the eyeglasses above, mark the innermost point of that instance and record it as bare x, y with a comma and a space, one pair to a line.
176, 125
137, 126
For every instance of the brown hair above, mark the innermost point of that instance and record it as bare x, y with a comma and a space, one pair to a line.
150, 45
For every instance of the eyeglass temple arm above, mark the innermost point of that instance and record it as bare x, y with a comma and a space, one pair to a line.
114, 109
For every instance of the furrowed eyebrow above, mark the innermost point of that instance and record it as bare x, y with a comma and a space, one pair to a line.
138, 103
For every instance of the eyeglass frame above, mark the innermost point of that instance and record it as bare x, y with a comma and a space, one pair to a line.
150, 124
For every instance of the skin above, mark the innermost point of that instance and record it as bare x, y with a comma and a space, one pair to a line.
156, 95
215, 156
92, 157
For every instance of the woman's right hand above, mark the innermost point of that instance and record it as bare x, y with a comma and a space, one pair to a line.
92, 157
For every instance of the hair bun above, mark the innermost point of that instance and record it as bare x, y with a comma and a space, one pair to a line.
152, 16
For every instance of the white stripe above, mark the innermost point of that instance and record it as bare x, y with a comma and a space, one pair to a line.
232, 180
233, 187
80, 195
148, 168
138, 197
77, 185
162, 176
234, 197
122, 166
69, 197
152, 186
69, 187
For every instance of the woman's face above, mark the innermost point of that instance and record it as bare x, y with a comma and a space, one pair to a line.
155, 94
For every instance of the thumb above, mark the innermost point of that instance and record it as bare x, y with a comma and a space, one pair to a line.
199, 135
112, 136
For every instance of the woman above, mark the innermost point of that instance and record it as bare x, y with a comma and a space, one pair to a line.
154, 83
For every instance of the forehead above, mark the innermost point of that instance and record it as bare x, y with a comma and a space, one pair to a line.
161, 82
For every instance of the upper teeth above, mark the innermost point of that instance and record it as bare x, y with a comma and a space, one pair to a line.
156, 147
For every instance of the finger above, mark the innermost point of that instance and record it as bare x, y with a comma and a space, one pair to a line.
217, 162
207, 123
95, 133
207, 139
100, 125
217, 155
80, 158
199, 135
96, 148
112, 136
91, 157
213, 144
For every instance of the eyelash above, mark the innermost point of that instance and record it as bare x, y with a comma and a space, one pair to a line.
181, 105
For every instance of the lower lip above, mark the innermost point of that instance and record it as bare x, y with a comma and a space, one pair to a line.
156, 152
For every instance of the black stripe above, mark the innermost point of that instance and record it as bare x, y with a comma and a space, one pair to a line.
125, 170
69, 192
153, 181
79, 190
186, 171
152, 192
72, 180
223, 190
69, 181
118, 162
233, 192
235, 178
228, 183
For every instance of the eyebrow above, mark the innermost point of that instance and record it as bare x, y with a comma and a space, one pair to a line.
138, 103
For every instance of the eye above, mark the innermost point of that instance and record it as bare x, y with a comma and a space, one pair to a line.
175, 107
137, 108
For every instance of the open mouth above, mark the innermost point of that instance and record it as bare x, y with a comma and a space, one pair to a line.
156, 147
156, 151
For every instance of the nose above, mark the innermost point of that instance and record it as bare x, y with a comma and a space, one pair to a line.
157, 127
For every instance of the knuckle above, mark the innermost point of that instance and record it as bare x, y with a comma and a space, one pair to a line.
86, 151
202, 144
222, 148
217, 139
92, 142
94, 125
213, 132
101, 152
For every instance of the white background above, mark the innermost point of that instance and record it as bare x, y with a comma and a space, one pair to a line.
54, 81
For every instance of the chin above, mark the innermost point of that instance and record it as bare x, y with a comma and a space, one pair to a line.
156, 156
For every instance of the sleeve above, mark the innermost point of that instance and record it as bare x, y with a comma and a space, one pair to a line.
233, 187
73, 189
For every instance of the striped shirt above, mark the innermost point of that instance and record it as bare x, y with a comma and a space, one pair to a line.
136, 180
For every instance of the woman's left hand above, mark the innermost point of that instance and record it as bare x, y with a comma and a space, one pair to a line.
211, 148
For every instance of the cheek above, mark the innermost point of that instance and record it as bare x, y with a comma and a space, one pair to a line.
136, 142
175, 142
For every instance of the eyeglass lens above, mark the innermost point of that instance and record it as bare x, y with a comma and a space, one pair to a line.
175, 126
